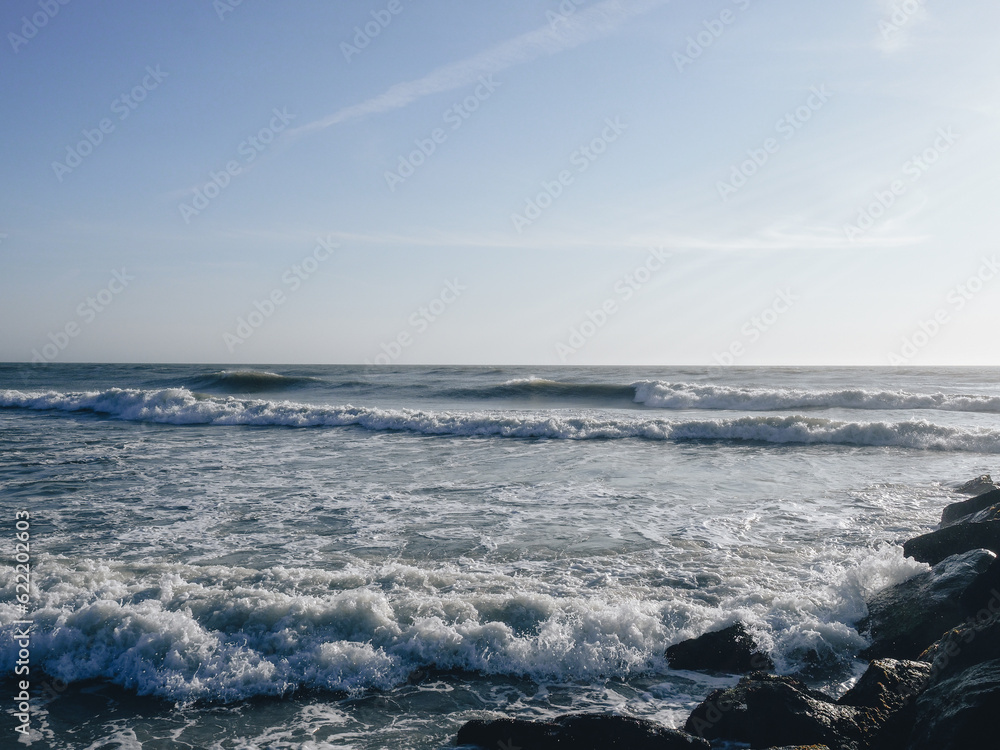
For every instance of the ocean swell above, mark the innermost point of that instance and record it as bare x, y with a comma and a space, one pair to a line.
180, 406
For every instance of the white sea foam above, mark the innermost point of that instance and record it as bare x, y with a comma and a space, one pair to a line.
664, 395
225, 633
180, 406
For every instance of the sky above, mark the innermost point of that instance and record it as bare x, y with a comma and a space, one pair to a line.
616, 182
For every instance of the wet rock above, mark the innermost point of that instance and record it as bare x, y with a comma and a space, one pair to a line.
577, 732
975, 641
962, 511
959, 713
732, 650
905, 619
887, 685
766, 710
977, 486
890, 687
934, 547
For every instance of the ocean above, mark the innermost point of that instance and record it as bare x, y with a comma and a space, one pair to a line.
367, 557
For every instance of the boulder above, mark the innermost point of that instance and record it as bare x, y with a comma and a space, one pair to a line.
975, 641
903, 620
961, 511
766, 710
959, 713
887, 685
977, 486
577, 732
732, 650
934, 547
890, 688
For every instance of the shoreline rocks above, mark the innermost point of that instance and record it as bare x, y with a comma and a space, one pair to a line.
732, 650
933, 682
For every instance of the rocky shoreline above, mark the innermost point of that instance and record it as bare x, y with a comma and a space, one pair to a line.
932, 683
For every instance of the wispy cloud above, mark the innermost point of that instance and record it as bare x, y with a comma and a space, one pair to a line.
577, 29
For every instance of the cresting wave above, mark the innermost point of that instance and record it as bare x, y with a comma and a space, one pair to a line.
662, 395
248, 381
179, 406
222, 634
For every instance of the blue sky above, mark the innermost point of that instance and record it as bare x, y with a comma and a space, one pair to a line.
633, 182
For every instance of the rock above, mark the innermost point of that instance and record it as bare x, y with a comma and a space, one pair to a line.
905, 619
731, 650
766, 710
890, 687
959, 713
887, 685
800, 747
577, 732
977, 486
975, 641
934, 547
957, 512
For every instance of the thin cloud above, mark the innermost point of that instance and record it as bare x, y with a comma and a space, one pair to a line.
577, 28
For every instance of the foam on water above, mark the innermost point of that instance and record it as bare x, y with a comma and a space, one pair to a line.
221, 633
182, 407
664, 395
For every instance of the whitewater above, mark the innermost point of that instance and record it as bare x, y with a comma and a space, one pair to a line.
367, 557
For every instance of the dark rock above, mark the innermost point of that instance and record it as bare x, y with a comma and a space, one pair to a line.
577, 732
800, 747
984, 592
905, 619
959, 713
956, 512
975, 641
768, 711
890, 688
731, 650
934, 547
977, 486
887, 685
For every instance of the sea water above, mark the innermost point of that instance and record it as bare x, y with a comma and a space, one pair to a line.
367, 557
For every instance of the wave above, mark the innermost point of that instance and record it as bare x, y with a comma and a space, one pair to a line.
658, 394
220, 633
248, 381
180, 406
541, 388
663, 395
